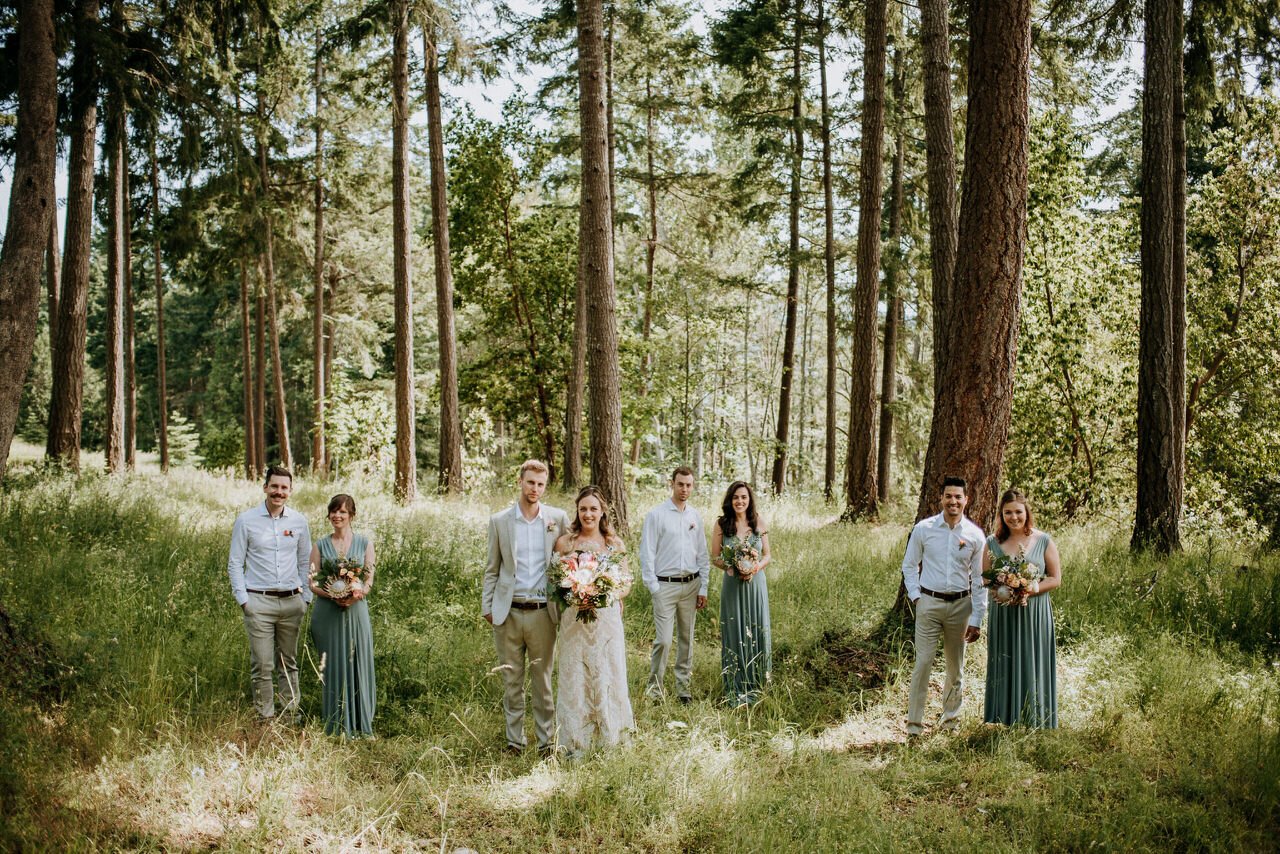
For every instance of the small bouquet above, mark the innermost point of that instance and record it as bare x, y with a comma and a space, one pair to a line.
341, 578
740, 558
587, 581
1012, 578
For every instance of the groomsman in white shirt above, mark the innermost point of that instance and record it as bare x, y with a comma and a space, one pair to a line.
270, 552
942, 571
676, 568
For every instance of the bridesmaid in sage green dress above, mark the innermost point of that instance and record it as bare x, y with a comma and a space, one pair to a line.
341, 631
746, 648
1022, 681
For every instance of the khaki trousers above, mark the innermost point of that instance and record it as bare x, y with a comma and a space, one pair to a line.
532, 633
936, 619
675, 607
273, 624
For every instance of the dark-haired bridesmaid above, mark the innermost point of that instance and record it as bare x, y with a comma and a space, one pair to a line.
740, 547
340, 625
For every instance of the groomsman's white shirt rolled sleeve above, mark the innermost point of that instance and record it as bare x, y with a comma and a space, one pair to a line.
530, 551
673, 543
946, 560
269, 552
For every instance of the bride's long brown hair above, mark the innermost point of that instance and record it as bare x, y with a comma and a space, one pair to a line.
606, 529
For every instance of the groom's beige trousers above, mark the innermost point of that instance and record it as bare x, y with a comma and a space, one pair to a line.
527, 632
675, 606
946, 621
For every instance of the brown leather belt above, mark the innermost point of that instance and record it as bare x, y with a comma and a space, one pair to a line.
678, 579
279, 594
945, 597
528, 606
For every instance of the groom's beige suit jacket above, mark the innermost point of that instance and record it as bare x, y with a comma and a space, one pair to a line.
500, 571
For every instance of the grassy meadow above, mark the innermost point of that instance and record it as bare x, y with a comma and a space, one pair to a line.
125, 720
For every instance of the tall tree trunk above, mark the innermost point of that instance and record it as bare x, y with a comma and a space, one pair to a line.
595, 264
247, 369
406, 485
130, 333
66, 404
610, 135
973, 403
114, 430
1161, 348
450, 416
778, 478
52, 274
575, 389
162, 386
260, 374
319, 379
893, 272
861, 492
269, 282
829, 264
331, 330
31, 203
650, 250
940, 173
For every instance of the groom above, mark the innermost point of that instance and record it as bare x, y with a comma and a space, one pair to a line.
942, 571
515, 603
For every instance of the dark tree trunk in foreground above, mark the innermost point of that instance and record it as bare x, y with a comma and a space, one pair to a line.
940, 170
319, 379
973, 402
31, 203
778, 478
450, 415
1161, 324
114, 430
52, 275
130, 334
892, 285
861, 494
66, 404
162, 385
829, 265
406, 485
575, 390
595, 265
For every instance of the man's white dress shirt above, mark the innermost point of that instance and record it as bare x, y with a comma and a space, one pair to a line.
269, 552
946, 560
672, 544
530, 550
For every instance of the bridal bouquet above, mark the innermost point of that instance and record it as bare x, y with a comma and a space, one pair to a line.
587, 581
340, 578
1012, 579
741, 558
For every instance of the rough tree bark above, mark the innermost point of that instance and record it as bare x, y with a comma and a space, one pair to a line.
162, 386
450, 414
893, 296
31, 203
66, 404
52, 274
778, 477
973, 401
595, 265
130, 332
861, 494
940, 173
829, 264
114, 429
406, 484
1161, 324
319, 379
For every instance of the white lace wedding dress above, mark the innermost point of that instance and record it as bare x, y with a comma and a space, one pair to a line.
593, 708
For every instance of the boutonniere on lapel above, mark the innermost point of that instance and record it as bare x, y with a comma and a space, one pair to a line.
551, 527
288, 533
692, 525
964, 544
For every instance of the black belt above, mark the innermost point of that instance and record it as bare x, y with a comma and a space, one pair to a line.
946, 597
279, 594
679, 579
528, 606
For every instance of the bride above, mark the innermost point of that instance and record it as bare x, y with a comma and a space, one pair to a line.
592, 706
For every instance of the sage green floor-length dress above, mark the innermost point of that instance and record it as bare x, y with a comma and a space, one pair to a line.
1022, 679
344, 638
746, 648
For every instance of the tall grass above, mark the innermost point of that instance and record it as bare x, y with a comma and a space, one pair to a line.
125, 719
